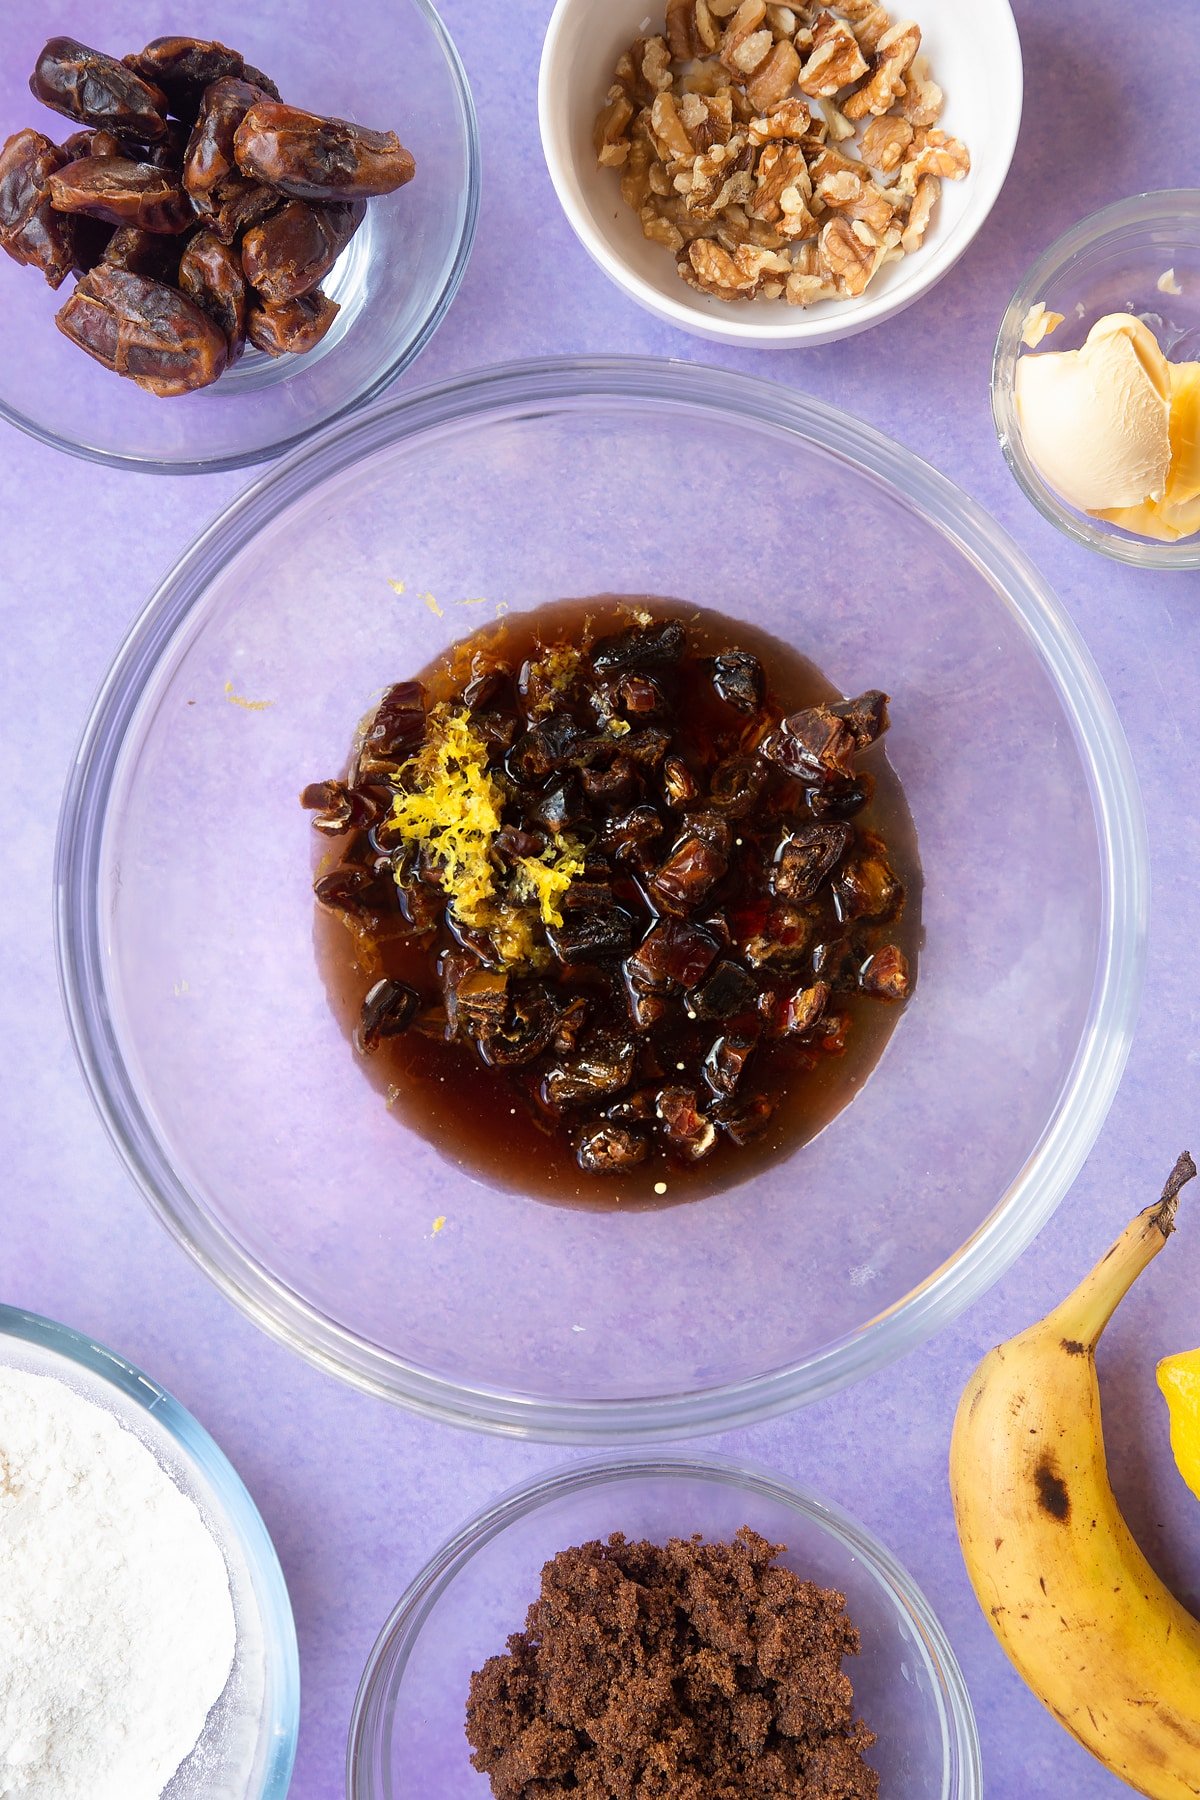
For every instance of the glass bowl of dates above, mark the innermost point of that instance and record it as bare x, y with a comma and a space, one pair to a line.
408, 1737
213, 245
285, 1119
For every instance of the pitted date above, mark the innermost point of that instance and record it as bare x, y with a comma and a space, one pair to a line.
141, 252
293, 327
182, 67
144, 330
210, 274
91, 143
209, 159
296, 247
30, 230
98, 90
313, 158
123, 192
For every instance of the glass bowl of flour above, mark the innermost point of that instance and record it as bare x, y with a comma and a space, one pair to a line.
147, 1648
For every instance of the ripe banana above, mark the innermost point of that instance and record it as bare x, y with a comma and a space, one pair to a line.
1075, 1605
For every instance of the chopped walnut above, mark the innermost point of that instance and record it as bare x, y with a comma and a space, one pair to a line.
691, 29
848, 252
885, 142
924, 201
835, 61
937, 154
774, 79
897, 47
759, 192
610, 133
716, 271
922, 99
723, 177
783, 190
790, 119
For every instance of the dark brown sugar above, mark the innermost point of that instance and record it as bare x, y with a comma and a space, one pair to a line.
688, 1671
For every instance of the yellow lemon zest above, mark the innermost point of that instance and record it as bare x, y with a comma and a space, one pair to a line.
452, 804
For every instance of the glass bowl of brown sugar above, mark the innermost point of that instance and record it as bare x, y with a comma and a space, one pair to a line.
379, 1240
409, 1738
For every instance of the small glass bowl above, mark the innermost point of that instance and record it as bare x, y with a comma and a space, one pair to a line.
248, 1745
407, 1738
1110, 262
393, 67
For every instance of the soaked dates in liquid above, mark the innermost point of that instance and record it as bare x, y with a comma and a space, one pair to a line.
731, 959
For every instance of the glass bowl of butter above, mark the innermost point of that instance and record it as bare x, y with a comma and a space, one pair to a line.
1096, 381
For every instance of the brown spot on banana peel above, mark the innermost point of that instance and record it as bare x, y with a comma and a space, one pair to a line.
1052, 1494
1073, 1347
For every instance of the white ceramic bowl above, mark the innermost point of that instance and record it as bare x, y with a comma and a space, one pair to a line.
975, 56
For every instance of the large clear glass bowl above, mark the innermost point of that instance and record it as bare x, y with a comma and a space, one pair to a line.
248, 1744
185, 913
392, 68
407, 1740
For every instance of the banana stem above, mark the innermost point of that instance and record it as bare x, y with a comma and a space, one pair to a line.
1082, 1316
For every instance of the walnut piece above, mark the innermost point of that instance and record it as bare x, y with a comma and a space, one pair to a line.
836, 59
924, 201
885, 142
897, 48
779, 150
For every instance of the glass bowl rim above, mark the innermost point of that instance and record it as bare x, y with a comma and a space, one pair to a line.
218, 1473
401, 359
1165, 204
962, 1762
1083, 1102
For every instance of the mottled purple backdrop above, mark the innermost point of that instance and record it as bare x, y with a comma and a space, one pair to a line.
358, 1494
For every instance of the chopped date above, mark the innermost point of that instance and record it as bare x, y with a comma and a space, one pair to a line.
640, 956
692, 868
339, 808
31, 231
296, 247
729, 990
805, 858
885, 974
607, 1148
689, 1133
388, 1009
866, 716
293, 328
313, 158
736, 786
802, 1010
674, 955
144, 330
641, 647
584, 937
866, 886
739, 680
679, 784
727, 1060
97, 90
123, 192
842, 799
601, 1068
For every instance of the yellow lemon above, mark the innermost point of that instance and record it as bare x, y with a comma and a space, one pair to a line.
1179, 1379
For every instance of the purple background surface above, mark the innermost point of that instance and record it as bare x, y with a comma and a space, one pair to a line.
356, 1494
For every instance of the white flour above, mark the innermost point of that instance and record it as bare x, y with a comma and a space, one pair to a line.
116, 1624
